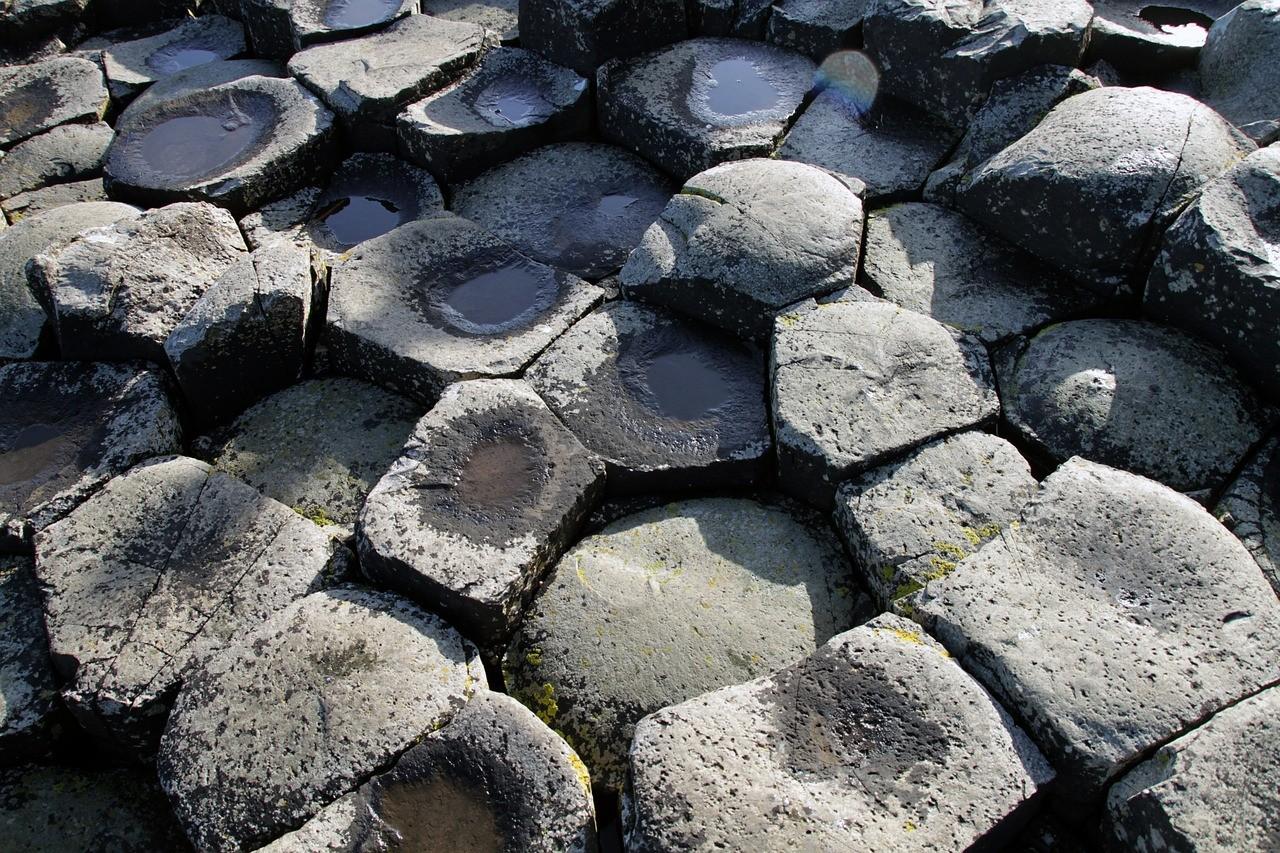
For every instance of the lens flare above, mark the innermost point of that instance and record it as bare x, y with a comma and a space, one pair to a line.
852, 76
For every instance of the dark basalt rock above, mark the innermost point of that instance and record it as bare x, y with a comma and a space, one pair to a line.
66, 428
67, 153
513, 102
441, 299
667, 403
816, 27
32, 19
489, 491
702, 102
745, 19
496, 16
1145, 37
29, 698
280, 28
35, 98
237, 144
133, 65
577, 206
1237, 75
1250, 508
585, 34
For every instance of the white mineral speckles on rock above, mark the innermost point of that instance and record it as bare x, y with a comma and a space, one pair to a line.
29, 699
1250, 508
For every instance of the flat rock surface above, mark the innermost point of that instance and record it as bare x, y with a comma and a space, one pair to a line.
911, 522
65, 153
319, 446
665, 402
442, 299
47, 198
877, 740
1212, 789
29, 696
701, 102
1133, 395
45, 94
1236, 78
669, 603
66, 429
577, 206
495, 778
935, 261
280, 28
161, 569
854, 383
497, 16
120, 290
133, 65
1218, 272
1116, 615
302, 710
1250, 507
489, 490
743, 240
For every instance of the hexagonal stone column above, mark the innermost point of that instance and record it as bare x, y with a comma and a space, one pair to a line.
442, 299
67, 428
583, 35
855, 383
30, 698
669, 603
1214, 788
489, 491
46, 94
66, 153
743, 240
164, 567
702, 102
1114, 617
302, 710
280, 28
495, 777
876, 741
1134, 395
668, 404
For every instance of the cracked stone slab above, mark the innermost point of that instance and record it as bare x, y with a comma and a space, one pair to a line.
1214, 788
512, 102
1092, 187
911, 522
238, 144
68, 427
200, 77
578, 206
23, 317
1115, 616
45, 94
1133, 395
247, 334
667, 604
876, 741
25, 20
165, 566
495, 778
1016, 105
497, 16
118, 291
368, 81
65, 153
440, 300
131, 66
319, 446
743, 240
47, 198
1134, 42
65, 808
1250, 508
855, 383
816, 27
668, 404
1238, 75
277, 29
932, 260
585, 34
488, 492
884, 154
1218, 271
367, 196
306, 708
29, 696
943, 55
702, 102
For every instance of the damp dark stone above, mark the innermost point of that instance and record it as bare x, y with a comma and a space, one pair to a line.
439, 813
175, 58
48, 448
350, 14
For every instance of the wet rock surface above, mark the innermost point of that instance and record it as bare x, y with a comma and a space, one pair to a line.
1133, 395
580, 207
670, 603
495, 489
702, 101
853, 383
743, 240
878, 738
299, 712
133, 65
29, 698
494, 778
440, 300
1156, 616
667, 403
69, 427
37, 97
161, 569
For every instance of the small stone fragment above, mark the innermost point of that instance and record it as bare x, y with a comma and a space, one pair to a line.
66, 153
585, 34
45, 94
133, 65
30, 697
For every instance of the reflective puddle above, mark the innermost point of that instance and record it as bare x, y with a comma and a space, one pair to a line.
34, 449
496, 473
684, 386
357, 218
175, 58
192, 146
345, 14
494, 300
512, 102
738, 88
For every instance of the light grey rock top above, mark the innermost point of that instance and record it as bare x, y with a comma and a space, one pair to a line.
1238, 73
65, 153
